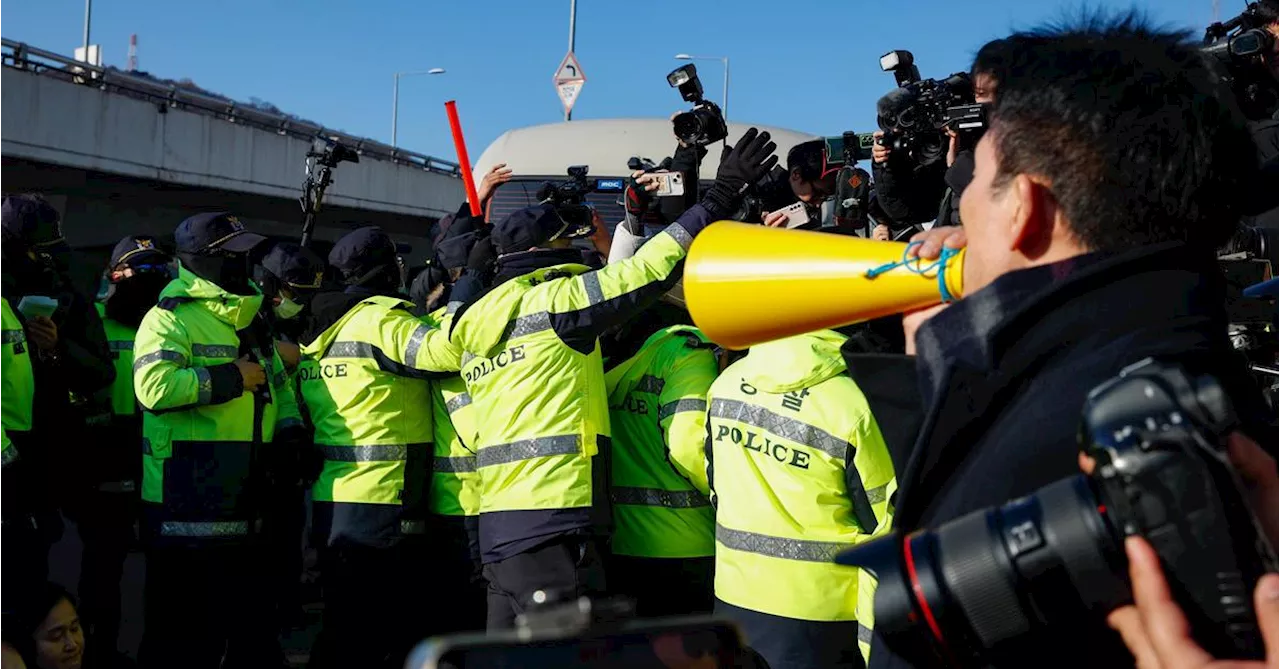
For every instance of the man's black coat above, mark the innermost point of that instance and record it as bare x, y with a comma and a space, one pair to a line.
1003, 374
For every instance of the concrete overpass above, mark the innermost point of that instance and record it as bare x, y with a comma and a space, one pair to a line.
123, 154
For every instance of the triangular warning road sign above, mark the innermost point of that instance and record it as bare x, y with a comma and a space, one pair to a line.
568, 91
569, 69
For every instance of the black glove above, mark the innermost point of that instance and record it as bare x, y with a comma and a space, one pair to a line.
749, 160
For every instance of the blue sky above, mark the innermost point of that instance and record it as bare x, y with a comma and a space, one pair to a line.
807, 65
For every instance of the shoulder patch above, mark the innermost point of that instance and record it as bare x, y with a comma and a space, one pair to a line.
170, 303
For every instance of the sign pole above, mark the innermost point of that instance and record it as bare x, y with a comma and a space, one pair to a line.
573, 20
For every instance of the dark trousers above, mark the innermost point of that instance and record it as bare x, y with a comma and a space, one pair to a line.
664, 586
796, 644
208, 606
106, 529
459, 585
564, 568
284, 524
376, 604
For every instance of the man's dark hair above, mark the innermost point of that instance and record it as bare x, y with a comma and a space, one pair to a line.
1138, 141
991, 58
809, 158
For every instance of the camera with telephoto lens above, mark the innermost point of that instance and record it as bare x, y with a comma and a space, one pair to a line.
330, 153
1245, 50
702, 125
570, 200
995, 587
921, 108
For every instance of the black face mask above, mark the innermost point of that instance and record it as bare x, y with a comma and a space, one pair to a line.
230, 272
133, 297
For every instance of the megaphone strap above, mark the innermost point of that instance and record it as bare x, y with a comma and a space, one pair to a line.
939, 265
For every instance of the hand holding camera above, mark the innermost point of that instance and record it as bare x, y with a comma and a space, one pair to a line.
880, 152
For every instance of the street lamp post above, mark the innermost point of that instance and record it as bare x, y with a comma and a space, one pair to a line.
88, 11
724, 102
395, 97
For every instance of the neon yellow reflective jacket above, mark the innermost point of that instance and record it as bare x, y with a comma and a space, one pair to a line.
454, 482
365, 381
532, 367
658, 410
18, 382
120, 340
867, 583
799, 473
204, 435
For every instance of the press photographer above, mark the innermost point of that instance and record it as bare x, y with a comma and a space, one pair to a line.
913, 184
1109, 173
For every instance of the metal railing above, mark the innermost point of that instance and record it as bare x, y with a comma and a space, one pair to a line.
31, 59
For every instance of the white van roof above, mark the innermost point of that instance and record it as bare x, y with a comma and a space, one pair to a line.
605, 145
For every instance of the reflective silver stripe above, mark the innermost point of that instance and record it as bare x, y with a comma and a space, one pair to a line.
231, 528
569, 444
864, 634
117, 486
457, 402
672, 499
458, 465
373, 453
682, 236
877, 494
204, 386
650, 384
349, 349
788, 428
527, 325
14, 336
120, 345
468, 357
156, 356
452, 308
413, 527
8, 455
787, 549
591, 282
672, 408
214, 351
415, 343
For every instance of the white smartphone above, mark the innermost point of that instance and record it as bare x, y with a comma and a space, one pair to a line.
669, 183
797, 215
32, 306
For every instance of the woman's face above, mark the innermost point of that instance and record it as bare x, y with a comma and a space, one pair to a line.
59, 639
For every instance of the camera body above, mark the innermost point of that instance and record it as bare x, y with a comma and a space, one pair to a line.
330, 153
991, 587
704, 123
569, 197
1244, 49
914, 125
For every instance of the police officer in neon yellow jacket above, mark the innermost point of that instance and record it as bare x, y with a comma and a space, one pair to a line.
24, 553
533, 370
217, 414
136, 273
799, 471
664, 533
364, 374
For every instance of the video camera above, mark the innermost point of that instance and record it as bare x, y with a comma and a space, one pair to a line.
991, 583
569, 197
324, 156
914, 116
590, 634
704, 124
1245, 49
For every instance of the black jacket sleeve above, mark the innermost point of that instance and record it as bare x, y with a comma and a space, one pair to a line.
907, 192
82, 342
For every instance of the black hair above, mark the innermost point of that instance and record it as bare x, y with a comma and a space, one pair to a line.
1138, 141
990, 59
808, 157
33, 604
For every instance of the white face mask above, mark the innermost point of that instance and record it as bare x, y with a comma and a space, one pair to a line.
286, 309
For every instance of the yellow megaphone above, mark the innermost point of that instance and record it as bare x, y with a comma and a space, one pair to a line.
747, 284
